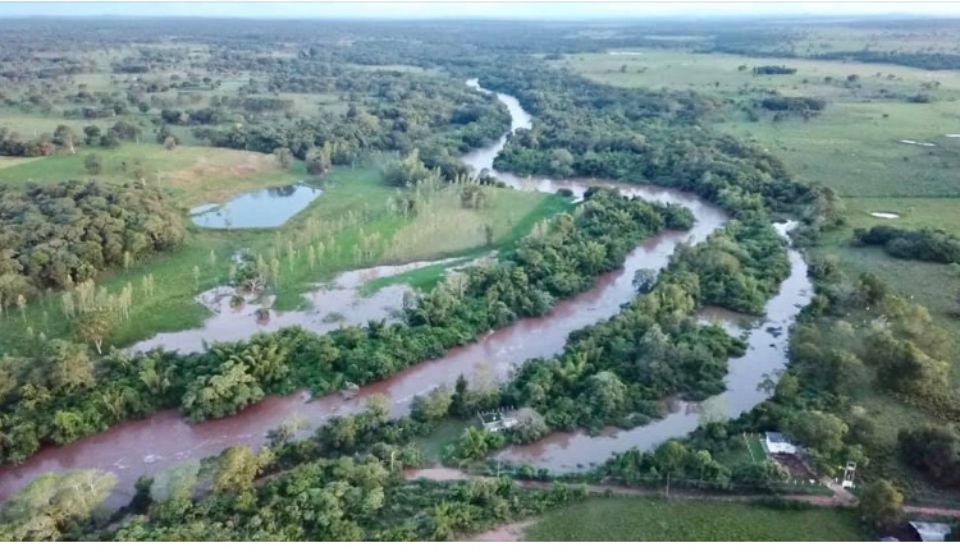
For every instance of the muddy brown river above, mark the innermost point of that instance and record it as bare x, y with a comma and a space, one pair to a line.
154, 444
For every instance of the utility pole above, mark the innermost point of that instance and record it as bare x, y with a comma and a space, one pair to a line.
668, 485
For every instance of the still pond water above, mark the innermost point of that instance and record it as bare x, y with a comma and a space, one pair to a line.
266, 208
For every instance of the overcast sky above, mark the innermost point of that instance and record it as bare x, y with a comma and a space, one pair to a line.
441, 9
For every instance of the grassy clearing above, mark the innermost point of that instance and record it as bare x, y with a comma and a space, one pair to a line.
421, 279
446, 434
652, 519
855, 150
35, 123
679, 69
510, 215
193, 175
6, 162
915, 212
932, 285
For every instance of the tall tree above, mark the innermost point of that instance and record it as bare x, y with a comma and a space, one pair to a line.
93, 163
881, 505
95, 326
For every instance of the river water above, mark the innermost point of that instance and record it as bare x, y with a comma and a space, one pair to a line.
154, 444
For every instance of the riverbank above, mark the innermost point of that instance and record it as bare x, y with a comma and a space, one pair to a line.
146, 447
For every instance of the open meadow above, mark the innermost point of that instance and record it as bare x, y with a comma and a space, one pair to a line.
654, 519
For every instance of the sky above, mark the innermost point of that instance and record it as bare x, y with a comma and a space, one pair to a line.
398, 9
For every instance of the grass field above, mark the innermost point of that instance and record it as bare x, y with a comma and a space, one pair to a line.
650, 519
915, 212
192, 175
348, 193
851, 146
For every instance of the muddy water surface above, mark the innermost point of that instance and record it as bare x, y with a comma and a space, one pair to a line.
146, 447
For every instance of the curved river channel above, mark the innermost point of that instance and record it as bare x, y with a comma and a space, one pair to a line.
154, 444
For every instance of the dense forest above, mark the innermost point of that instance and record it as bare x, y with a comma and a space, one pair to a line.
56, 236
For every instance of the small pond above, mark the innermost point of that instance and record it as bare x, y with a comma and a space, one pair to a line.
264, 208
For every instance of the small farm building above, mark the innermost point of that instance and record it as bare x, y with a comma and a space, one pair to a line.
776, 443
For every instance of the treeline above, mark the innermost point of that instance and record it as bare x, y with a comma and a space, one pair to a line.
561, 258
931, 245
793, 104
686, 466
12, 144
53, 236
774, 70
932, 61
65, 139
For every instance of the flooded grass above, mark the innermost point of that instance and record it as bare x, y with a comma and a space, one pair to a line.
172, 307
657, 519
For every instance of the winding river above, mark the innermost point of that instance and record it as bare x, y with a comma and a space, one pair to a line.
154, 444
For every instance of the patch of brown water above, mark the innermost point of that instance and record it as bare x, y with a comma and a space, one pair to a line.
333, 305
146, 447
149, 446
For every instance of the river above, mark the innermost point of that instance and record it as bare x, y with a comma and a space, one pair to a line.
151, 445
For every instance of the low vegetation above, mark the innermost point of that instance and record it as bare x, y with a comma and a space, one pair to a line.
653, 520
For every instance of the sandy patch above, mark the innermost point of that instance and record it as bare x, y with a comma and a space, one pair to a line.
512, 532
13, 161
437, 474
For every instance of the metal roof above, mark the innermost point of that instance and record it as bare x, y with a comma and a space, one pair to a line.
931, 532
775, 437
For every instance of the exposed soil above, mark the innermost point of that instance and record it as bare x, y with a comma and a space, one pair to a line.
512, 532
